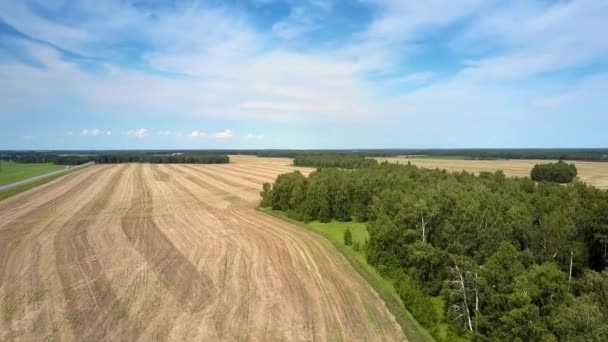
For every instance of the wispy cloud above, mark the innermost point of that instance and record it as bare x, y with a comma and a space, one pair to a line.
138, 133
225, 134
255, 136
401, 62
167, 133
94, 132
197, 134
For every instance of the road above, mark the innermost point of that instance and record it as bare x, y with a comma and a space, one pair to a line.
46, 175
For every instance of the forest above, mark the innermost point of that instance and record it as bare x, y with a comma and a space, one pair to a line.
162, 159
559, 172
118, 157
513, 259
329, 160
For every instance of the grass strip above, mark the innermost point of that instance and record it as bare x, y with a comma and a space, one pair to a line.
412, 329
21, 188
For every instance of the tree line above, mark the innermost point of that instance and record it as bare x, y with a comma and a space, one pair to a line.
513, 259
162, 159
591, 154
559, 172
328, 160
122, 157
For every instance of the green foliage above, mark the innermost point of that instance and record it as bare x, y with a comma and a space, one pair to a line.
334, 232
559, 172
417, 302
580, 319
356, 246
342, 161
506, 254
348, 237
159, 157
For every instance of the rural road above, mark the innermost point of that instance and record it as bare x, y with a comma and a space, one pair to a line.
174, 252
33, 179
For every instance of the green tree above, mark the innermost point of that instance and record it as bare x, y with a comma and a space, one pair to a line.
324, 211
348, 237
559, 172
581, 320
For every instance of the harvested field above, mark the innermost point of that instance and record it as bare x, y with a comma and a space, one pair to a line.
174, 252
594, 173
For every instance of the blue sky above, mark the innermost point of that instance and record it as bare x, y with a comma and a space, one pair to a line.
303, 74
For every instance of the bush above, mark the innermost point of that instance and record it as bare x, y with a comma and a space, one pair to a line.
357, 246
559, 172
416, 301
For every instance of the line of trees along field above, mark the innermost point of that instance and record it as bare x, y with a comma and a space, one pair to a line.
162, 159
514, 260
340, 161
113, 158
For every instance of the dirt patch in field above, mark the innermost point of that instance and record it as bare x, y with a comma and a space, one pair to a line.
174, 252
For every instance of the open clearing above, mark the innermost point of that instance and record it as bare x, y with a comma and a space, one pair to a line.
12, 172
594, 173
174, 252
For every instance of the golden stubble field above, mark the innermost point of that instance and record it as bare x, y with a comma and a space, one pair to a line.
594, 173
174, 252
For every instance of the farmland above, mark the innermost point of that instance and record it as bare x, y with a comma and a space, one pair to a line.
13, 172
143, 251
594, 173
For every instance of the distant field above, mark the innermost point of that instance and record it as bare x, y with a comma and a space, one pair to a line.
12, 172
594, 173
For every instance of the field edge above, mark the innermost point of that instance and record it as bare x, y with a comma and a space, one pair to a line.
4, 194
411, 328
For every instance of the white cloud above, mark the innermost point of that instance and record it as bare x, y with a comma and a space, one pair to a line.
225, 134
234, 71
138, 133
93, 132
28, 137
255, 136
166, 133
197, 134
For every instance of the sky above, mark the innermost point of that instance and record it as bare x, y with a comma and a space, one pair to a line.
300, 74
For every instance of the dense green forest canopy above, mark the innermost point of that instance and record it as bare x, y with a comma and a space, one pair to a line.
514, 260
559, 172
349, 161
117, 157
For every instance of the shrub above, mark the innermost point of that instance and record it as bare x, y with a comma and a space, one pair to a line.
357, 246
416, 301
559, 172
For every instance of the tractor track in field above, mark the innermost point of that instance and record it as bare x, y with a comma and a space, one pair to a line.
174, 252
